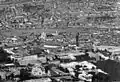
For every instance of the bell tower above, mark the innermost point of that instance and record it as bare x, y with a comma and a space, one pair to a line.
77, 39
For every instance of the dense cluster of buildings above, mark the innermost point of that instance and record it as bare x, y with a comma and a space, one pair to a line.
30, 14
50, 59
59, 40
